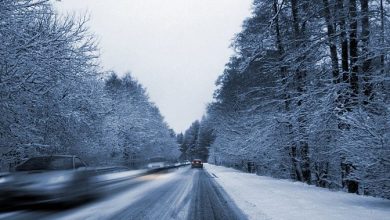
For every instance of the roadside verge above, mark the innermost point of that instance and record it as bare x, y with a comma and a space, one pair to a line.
262, 197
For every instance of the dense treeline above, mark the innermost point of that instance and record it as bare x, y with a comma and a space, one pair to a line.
307, 94
54, 100
196, 140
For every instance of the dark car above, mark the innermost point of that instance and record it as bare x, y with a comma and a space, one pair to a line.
197, 163
60, 179
51, 163
47, 179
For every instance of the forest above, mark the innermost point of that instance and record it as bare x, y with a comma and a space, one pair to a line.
306, 96
56, 99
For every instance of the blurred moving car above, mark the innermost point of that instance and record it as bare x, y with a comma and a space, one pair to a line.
186, 162
66, 179
157, 162
60, 179
197, 163
51, 163
47, 179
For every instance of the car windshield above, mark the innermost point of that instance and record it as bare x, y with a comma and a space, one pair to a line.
46, 163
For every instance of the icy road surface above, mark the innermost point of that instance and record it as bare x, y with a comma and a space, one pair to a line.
182, 193
186, 193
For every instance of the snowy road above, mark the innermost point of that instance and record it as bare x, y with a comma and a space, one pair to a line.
182, 193
186, 193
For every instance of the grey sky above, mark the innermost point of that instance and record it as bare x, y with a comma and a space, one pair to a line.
175, 48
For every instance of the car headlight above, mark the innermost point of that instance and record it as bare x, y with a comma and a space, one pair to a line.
4, 179
58, 180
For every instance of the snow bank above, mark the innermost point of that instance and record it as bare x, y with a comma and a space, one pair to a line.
267, 198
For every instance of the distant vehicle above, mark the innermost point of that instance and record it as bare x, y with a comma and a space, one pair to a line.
157, 162
197, 163
47, 179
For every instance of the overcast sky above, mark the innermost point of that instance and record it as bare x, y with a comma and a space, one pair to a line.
175, 48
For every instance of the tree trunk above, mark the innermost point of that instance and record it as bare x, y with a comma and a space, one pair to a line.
296, 172
343, 40
343, 99
294, 11
365, 37
382, 11
304, 168
280, 47
353, 50
332, 45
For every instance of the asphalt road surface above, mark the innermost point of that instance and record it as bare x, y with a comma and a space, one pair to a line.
182, 193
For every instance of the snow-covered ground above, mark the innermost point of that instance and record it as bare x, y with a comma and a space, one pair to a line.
262, 197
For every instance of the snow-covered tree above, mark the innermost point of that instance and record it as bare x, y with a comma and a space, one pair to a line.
54, 99
306, 94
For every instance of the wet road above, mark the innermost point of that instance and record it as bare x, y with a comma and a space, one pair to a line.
182, 193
